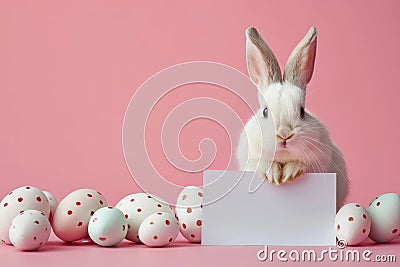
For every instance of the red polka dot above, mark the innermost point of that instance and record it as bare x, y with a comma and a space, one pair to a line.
189, 210
37, 222
89, 195
42, 214
80, 223
126, 216
159, 205
184, 197
28, 187
46, 229
69, 212
159, 213
110, 208
34, 238
132, 199
198, 222
41, 243
365, 216
155, 237
200, 194
102, 238
10, 193
357, 205
167, 222
99, 193
148, 196
20, 199
94, 219
78, 203
201, 206
364, 231
123, 227
3, 241
21, 212
170, 240
38, 199
183, 226
91, 213
139, 210
351, 219
338, 227
151, 222
101, 202
5, 204
394, 231
129, 226
378, 203
192, 236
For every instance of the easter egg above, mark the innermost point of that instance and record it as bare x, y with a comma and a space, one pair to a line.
385, 217
189, 210
137, 207
71, 218
108, 227
53, 204
20, 199
352, 224
159, 229
29, 230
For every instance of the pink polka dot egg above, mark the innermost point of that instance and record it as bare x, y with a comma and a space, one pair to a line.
19, 200
159, 229
29, 230
189, 210
71, 218
352, 224
385, 217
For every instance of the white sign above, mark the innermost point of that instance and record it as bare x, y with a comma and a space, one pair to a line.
299, 213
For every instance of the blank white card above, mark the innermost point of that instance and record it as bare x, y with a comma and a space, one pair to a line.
299, 213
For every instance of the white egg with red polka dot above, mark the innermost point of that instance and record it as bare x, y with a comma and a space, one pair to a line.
159, 229
71, 219
352, 224
29, 230
137, 207
53, 204
108, 227
385, 217
20, 199
189, 211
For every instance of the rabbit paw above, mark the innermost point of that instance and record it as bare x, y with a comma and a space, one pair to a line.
292, 170
274, 174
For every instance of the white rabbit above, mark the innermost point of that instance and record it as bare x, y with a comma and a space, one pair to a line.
300, 143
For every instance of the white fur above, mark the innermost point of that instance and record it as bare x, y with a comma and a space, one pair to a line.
310, 148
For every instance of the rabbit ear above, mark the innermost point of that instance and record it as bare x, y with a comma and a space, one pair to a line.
262, 65
300, 65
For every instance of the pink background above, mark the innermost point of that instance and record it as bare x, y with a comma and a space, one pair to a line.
69, 69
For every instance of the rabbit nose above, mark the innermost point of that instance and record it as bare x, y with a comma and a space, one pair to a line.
284, 138
284, 132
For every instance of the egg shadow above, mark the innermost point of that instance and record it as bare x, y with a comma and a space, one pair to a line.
369, 243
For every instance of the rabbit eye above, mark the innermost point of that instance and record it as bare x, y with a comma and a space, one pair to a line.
302, 113
265, 112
